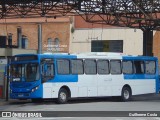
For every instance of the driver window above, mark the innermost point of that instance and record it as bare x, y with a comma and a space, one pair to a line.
47, 70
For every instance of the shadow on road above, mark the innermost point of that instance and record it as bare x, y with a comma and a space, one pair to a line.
144, 98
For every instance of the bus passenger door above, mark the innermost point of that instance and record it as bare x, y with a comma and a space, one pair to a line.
47, 75
104, 78
104, 85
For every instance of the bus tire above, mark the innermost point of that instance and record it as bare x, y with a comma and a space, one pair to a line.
62, 96
126, 94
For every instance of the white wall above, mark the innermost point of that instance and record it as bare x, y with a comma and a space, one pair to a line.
132, 39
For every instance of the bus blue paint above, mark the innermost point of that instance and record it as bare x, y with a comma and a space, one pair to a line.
143, 76
23, 90
139, 58
139, 76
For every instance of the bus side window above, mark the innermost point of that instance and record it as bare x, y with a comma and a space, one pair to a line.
127, 67
115, 67
150, 67
103, 67
49, 70
90, 66
77, 66
139, 67
63, 66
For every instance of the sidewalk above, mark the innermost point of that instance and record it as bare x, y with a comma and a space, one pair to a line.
3, 102
12, 101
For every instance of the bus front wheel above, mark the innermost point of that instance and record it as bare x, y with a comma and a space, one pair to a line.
62, 96
126, 94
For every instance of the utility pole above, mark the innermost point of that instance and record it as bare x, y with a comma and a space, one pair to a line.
39, 38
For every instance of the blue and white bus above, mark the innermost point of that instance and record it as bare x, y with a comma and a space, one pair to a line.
65, 76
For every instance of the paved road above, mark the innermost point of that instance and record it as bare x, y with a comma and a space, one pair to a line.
139, 103
142, 103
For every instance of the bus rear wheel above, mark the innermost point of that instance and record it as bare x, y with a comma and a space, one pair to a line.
62, 96
126, 94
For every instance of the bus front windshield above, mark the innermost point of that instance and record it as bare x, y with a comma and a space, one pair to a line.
25, 72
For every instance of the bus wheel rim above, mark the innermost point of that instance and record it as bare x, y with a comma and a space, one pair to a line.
126, 94
63, 96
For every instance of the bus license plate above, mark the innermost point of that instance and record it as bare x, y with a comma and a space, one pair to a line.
20, 95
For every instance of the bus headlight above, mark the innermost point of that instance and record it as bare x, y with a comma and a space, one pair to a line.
34, 89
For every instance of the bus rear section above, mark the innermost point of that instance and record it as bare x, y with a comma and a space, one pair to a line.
141, 73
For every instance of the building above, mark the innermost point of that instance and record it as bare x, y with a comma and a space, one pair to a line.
88, 37
59, 35
19, 36
156, 44
67, 34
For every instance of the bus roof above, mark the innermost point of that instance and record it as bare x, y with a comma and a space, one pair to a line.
91, 54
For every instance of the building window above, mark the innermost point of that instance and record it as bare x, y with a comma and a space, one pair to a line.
56, 43
3, 41
53, 44
50, 42
24, 42
107, 46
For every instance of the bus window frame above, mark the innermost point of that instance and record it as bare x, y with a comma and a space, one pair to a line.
135, 68
108, 66
47, 62
71, 67
154, 68
95, 68
133, 72
57, 66
120, 66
